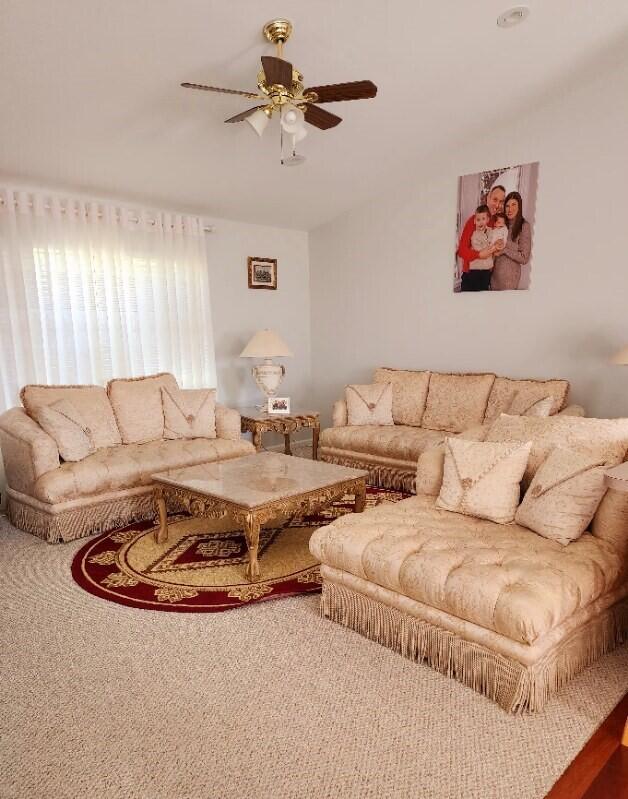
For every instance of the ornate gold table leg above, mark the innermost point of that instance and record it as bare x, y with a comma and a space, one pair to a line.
360, 496
286, 441
315, 434
251, 533
257, 439
161, 533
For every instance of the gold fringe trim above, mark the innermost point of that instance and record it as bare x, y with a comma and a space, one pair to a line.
80, 522
513, 686
379, 475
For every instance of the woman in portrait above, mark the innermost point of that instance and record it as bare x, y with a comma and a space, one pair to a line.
516, 252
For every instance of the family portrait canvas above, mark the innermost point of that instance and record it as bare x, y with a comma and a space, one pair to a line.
495, 229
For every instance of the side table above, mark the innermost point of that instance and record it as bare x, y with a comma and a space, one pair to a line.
257, 422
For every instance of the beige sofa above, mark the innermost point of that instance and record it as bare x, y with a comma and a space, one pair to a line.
504, 610
427, 407
61, 501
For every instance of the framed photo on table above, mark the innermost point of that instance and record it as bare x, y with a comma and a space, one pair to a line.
262, 273
279, 405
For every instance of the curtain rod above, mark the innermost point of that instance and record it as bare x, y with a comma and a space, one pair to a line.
64, 210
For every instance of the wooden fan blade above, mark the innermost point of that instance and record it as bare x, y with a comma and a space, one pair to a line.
356, 90
244, 114
320, 118
278, 72
204, 88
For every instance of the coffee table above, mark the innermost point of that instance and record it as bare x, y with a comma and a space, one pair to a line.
254, 489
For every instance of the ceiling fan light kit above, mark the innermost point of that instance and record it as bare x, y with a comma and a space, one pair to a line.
282, 91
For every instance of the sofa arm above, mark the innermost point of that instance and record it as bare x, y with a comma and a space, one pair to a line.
572, 410
27, 451
339, 414
228, 423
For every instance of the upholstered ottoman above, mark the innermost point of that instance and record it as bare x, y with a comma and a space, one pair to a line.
503, 610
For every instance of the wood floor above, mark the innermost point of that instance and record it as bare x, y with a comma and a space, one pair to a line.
600, 770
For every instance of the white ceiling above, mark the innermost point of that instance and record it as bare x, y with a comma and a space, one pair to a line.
90, 97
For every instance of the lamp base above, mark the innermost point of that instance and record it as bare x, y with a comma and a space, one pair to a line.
268, 376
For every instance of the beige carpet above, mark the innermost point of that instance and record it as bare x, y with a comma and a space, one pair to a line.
100, 700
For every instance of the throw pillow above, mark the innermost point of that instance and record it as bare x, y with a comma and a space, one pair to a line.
189, 413
370, 404
138, 407
409, 390
526, 407
507, 392
482, 479
431, 462
564, 495
91, 402
63, 422
456, 402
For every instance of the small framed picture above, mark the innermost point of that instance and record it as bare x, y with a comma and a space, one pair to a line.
262, 273
279, 405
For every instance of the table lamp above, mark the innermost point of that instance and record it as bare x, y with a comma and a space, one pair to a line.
621, 357
267, 344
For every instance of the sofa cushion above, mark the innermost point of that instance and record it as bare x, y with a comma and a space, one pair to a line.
409, 390
397, 442
502, 577
189, 413
130, 465
90, 401
138, 407
369, 404
63, 421
516, 396
482, 478
455, 402
604, 438
564, 495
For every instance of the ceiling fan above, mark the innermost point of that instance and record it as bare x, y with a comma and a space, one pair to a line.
282, 91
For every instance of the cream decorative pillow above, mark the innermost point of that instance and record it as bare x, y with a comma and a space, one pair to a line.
455, 402
482, 479
63, 422
431, 462
541, 408
564, 495
369, 404
137, 404
91, 402
189, 413
509, 395
409, 390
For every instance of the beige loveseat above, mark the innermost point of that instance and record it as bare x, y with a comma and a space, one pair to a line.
427, 407
61, 501
504, 610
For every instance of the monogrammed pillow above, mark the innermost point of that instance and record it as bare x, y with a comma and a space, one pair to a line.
189, 413
483, 479
370, 404
564, 495
63, 422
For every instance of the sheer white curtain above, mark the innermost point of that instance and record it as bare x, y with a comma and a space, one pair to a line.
92, 290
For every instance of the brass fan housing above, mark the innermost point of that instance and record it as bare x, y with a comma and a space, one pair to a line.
278, 31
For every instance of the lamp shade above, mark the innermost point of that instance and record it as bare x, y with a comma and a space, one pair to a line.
621, 357
266, 344
258, 121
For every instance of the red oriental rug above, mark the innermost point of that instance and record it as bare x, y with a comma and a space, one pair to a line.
200, 569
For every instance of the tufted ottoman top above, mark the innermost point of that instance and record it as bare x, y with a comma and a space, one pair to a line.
504, 578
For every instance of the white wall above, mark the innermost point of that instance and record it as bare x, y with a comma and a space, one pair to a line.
238, 311
381, 275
